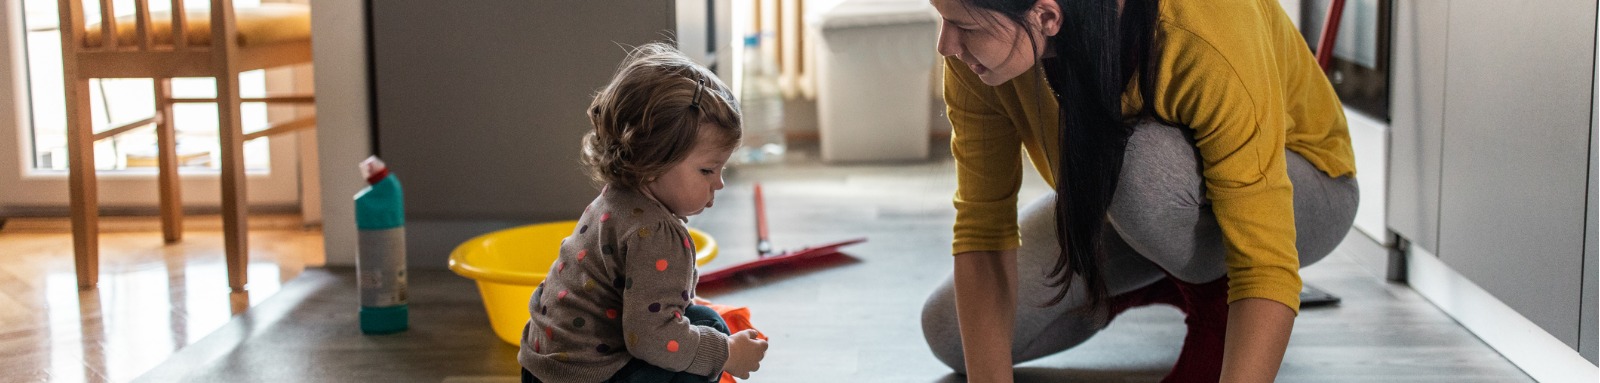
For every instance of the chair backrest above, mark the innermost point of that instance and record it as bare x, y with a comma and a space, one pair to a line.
73, 27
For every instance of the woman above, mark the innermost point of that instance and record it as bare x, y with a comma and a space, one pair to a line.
1209, 197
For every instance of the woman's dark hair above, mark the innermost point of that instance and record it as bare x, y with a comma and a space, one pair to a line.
1096, 53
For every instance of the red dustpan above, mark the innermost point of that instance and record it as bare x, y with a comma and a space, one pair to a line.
764, 250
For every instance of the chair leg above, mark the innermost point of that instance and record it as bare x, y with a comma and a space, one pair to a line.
167, 140
81, 183
234, 205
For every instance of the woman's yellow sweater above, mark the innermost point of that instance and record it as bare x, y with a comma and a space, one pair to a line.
1236, 72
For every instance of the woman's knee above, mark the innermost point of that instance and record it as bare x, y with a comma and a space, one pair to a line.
1160, 207
1325, 208
1160, 170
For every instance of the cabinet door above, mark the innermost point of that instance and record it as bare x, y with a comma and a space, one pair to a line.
1519, 83
480, 107
485, 100
1588, 323
1417, 119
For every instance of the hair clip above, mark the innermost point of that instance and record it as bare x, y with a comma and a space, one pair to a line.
697, 91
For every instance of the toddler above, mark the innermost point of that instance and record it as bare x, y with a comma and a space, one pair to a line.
618, 304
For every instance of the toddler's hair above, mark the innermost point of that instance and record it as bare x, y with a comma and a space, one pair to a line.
648, 117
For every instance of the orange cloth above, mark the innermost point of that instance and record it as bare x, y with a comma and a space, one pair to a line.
738, 319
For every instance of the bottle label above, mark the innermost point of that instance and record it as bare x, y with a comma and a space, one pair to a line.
381, 267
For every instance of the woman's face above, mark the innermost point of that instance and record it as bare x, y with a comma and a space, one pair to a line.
991, 44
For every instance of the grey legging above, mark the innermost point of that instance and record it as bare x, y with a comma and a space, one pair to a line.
1163, 221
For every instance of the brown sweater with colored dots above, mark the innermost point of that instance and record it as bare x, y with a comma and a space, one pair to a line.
617, 292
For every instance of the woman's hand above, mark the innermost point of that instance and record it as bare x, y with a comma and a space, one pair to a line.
986, 308
1258, 333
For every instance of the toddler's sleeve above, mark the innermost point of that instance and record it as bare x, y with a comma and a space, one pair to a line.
658, 282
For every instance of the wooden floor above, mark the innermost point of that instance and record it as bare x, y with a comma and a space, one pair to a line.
852, 320
153, 299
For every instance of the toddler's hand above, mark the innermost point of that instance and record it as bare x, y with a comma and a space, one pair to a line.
744, 354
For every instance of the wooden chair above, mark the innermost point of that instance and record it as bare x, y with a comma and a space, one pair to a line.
161, 46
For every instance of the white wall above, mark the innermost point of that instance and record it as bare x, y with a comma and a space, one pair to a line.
13, 89
343, 118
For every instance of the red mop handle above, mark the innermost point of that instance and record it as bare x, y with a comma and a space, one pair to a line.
763, 246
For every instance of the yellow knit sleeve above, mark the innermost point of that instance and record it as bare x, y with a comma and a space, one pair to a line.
1229, 93
988, 157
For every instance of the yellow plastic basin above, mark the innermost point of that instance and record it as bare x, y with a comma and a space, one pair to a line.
508, 264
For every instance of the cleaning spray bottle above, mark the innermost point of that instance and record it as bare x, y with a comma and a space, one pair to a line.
381, 259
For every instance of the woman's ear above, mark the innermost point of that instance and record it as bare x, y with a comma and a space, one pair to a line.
1047, 15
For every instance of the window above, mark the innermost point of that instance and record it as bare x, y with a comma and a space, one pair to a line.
120, 101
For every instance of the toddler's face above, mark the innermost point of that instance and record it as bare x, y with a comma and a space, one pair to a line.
689, 187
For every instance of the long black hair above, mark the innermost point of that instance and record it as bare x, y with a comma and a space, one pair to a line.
1099, 49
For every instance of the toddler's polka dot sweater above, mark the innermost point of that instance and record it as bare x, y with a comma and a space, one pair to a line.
617, 292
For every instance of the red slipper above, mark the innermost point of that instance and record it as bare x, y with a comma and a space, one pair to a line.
1163, 291
1205, 311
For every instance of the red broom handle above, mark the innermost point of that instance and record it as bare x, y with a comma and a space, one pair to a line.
1330, 31
763, 246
